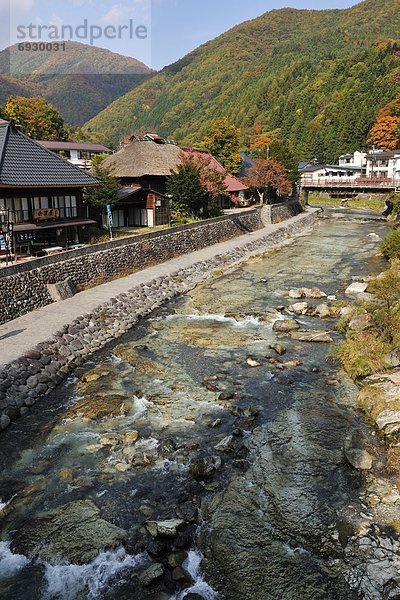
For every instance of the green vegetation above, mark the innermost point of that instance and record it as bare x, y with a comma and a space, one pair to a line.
36, 117
390, 246
375, 204
79, 92
362, 353
223, 143
317, 78
194, 186
106, 193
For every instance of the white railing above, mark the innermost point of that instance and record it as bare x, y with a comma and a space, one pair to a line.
361, 182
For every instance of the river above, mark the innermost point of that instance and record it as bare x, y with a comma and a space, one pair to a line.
193, 420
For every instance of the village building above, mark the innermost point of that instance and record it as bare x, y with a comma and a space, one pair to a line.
79, 154
41, 195
383, 165
314, 173
144, 164
140, 207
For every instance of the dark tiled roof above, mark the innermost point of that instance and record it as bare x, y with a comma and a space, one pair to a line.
378, 155
51, 145
311, 168
24, 163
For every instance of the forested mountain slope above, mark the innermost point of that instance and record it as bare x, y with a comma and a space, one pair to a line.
318, 76
80, 81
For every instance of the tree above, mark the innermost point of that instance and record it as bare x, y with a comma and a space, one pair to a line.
223, 143
195, 184
271, 145
188, 194
385, 134
37, 118
106, 192
268, 177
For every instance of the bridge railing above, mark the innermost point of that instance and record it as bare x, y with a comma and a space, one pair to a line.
356, 183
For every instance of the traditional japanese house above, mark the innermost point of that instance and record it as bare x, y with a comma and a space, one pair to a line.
41, 194
145, 162
139, 207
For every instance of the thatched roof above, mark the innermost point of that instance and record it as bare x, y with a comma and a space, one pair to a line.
141, 158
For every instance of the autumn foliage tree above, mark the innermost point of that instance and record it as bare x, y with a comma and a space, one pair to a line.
223, 143
268, 177
37, 118
385, 134
195, 184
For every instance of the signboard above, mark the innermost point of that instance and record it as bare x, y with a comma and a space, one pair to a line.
42, 214
3, 244
25, 237
109, 216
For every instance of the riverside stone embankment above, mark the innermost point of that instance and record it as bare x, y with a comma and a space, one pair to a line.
25, 285
29, 378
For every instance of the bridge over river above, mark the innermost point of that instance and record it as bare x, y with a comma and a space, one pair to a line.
349, 187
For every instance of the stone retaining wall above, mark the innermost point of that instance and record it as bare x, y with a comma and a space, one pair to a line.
277, 213
28, 379
24, 286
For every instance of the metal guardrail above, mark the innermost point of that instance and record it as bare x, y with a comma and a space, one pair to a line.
353, 183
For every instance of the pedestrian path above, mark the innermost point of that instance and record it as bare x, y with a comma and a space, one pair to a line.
22, 334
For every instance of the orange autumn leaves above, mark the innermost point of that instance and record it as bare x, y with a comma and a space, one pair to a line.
385, 134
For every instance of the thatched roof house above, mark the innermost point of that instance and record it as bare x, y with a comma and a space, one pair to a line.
146, 161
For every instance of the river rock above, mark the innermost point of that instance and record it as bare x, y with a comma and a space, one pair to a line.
392, 359
285, 325
357, 287
167, 528
279, 349
226, 445
361, 322
181, 576
96, 408
74, 532
151, 574
299, 293
323, 311
315, 335
358, 458
299, 308
380, 399
204, 468
253, 363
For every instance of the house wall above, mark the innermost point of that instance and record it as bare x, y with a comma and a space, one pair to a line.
24, 285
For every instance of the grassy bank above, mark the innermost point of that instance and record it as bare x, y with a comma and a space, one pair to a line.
372, 327
375, 204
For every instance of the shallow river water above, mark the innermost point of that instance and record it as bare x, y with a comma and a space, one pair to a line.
135, 437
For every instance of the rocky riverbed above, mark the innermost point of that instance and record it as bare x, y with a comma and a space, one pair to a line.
215, 451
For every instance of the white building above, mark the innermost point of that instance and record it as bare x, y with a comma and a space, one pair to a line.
383, 165
318, 173
357, 159
79, 154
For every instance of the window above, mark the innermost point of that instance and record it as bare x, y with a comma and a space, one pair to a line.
67, 205
17, 207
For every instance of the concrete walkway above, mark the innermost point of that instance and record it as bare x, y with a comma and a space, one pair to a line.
22, 334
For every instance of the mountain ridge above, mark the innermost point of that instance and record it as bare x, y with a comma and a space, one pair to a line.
80, 82
289, 69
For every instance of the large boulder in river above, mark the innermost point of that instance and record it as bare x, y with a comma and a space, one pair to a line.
285, 325
73, 533
361, 322
380, 399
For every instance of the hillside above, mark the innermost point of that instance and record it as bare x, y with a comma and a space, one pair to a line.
319, 76
99, 77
